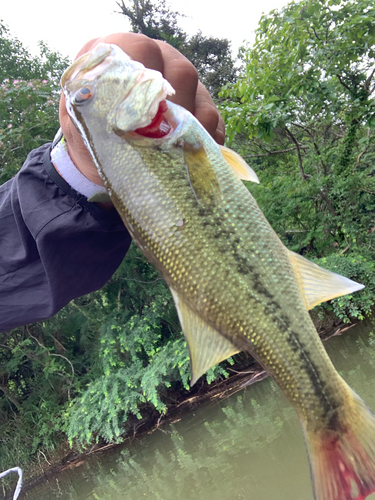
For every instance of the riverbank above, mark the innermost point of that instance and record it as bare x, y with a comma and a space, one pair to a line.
65, 458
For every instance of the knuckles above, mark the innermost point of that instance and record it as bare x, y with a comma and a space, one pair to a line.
176, 68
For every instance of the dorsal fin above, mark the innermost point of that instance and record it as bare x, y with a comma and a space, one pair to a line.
239, 165
318, 284
207, 346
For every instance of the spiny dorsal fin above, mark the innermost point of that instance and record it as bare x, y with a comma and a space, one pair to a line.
239, 165
202, 175
207, 347
318, 284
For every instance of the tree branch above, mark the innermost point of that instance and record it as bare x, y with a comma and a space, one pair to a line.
315, 33
309, 133
136, 19
11, 398
66, 359
343, 83
359, 158
366, 86
279, 152
327, 201
303, 175
50, 353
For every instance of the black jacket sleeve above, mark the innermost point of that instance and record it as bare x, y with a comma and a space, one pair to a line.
54, 244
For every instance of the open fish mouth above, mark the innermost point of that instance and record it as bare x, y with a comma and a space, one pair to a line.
160, 126
141, 106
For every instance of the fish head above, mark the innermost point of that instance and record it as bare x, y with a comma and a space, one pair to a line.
105, 85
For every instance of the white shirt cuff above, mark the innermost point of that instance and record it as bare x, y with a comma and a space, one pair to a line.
60, 157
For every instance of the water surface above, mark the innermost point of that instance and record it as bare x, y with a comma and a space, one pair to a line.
249, 446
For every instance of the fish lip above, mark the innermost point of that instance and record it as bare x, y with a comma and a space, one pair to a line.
89, 61
148, 91
67, 75
154, 107
93, 64
159, 126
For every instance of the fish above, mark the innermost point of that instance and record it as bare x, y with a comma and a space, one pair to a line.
235, 285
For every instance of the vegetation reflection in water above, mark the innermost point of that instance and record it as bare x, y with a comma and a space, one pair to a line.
248, 446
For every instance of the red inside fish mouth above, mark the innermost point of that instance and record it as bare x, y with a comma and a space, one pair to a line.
159, 126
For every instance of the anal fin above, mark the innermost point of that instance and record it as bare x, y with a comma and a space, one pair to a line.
207, 346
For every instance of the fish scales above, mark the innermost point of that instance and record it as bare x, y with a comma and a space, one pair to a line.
231, 277
155, 200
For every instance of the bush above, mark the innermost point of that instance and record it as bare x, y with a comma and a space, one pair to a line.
359, 305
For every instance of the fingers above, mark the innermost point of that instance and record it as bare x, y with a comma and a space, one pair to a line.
177, 69
190, 92
138, 47
207, 113
181, 74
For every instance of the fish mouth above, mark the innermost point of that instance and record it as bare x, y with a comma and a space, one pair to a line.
160, 126
143, 108
89, 65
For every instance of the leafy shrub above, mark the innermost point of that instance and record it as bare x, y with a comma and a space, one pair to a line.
141, 355
359, 304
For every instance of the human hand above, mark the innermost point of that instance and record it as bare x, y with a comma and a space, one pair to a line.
181, 74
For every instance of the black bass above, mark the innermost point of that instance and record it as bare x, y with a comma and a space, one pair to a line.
235, 285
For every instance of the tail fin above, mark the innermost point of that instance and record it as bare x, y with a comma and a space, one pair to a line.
343, 461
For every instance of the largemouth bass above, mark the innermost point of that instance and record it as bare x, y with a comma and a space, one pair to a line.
235, 285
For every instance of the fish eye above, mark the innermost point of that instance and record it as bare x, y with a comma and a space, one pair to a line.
83, 95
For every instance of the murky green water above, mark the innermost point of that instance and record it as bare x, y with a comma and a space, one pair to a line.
249, 446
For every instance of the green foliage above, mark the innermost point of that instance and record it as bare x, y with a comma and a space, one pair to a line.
103, 409
141, 358
15, 60
28, 119
213, 60
105, 359
309, 60
360, 304
302, 114
35, 383
29, 96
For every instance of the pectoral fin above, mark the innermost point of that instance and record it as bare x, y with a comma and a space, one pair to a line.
207, 347
100, 197
319, 285
239, 165
202, 175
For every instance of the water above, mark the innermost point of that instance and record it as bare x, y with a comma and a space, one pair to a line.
248, 446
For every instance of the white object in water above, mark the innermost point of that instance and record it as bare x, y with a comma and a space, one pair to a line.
19, 482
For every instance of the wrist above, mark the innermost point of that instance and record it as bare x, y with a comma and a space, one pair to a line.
82, 161
73, 175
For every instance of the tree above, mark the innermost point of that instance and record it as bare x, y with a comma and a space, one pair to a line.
211, 56
311, 59
302, 113
307, 93
154, 20
15, 60
213, 60
29, 95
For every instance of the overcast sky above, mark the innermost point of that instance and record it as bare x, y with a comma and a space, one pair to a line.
66, 25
